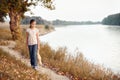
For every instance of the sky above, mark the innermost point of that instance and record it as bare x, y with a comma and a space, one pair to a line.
78, 10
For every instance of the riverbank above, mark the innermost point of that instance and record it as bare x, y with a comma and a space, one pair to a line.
42, 28
76, 68
96, 42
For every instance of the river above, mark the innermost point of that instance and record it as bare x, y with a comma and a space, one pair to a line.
100, 44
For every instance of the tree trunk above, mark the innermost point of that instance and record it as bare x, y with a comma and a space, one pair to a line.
15, 25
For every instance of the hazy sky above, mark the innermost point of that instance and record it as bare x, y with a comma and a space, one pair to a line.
79, 10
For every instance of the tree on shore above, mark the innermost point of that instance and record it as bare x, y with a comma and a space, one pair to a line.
15, 9
112, 19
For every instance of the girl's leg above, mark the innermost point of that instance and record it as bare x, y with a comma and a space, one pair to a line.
34, 55
39, 58
31, 54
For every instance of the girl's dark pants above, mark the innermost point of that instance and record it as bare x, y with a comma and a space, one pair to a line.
33, 54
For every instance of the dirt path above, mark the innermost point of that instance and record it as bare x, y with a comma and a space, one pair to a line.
51, 74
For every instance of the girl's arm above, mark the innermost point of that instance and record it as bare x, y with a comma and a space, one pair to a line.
38, 41
26, 38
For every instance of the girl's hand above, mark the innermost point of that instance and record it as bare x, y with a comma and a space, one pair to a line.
38, 47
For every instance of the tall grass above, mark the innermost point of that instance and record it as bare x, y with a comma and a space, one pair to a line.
5, 34
77, 68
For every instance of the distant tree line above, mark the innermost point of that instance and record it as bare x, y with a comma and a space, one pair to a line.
112, 19
39, 20
61, 22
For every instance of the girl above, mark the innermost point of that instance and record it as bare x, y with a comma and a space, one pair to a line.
33, 42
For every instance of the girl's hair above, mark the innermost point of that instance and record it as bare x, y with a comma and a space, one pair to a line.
31, 21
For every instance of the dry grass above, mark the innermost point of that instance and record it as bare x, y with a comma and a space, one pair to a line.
77, 68
5, 34
12, 69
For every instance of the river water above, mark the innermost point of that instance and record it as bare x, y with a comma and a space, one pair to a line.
98, 43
